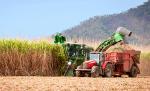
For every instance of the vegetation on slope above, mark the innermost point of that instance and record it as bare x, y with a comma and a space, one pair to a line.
99, 28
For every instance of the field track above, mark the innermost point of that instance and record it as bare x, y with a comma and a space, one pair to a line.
25, 83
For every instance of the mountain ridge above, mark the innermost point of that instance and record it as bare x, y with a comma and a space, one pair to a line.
99, 28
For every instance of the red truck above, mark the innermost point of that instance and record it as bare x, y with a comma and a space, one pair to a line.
110, 64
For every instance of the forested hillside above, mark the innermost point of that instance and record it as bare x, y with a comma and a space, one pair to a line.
99, 28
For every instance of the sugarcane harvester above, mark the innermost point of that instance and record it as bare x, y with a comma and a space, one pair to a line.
113, 63
76, 54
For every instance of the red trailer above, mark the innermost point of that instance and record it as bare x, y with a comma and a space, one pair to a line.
110, 64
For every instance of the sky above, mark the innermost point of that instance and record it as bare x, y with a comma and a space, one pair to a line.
31, 19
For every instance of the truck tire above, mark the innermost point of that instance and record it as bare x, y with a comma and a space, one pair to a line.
95, 71
78, 73
133, 71
108, 72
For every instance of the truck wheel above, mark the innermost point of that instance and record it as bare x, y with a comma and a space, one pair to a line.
133, 71
78, 73
95, 71
108, 72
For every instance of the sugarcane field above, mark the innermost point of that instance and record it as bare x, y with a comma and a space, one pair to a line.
54, 46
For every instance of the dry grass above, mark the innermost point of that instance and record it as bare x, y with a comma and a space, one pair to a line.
73, 84
25, 58
145, 64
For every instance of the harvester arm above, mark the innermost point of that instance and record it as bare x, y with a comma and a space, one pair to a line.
105, 45
116, 37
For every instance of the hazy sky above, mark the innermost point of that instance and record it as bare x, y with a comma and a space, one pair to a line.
38, 18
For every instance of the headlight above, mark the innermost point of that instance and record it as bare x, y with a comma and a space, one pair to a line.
69, 63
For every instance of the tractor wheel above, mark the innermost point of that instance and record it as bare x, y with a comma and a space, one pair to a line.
108, 72
95, 71
133, 71
78, 73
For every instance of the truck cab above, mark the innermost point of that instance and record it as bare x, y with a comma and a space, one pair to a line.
97, 56
91, 65
95, 59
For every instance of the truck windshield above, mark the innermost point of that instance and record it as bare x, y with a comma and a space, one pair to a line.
94, 57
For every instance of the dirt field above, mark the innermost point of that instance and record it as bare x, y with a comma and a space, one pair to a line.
74, 84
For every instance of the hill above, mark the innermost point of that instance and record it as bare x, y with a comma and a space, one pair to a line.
98, 28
